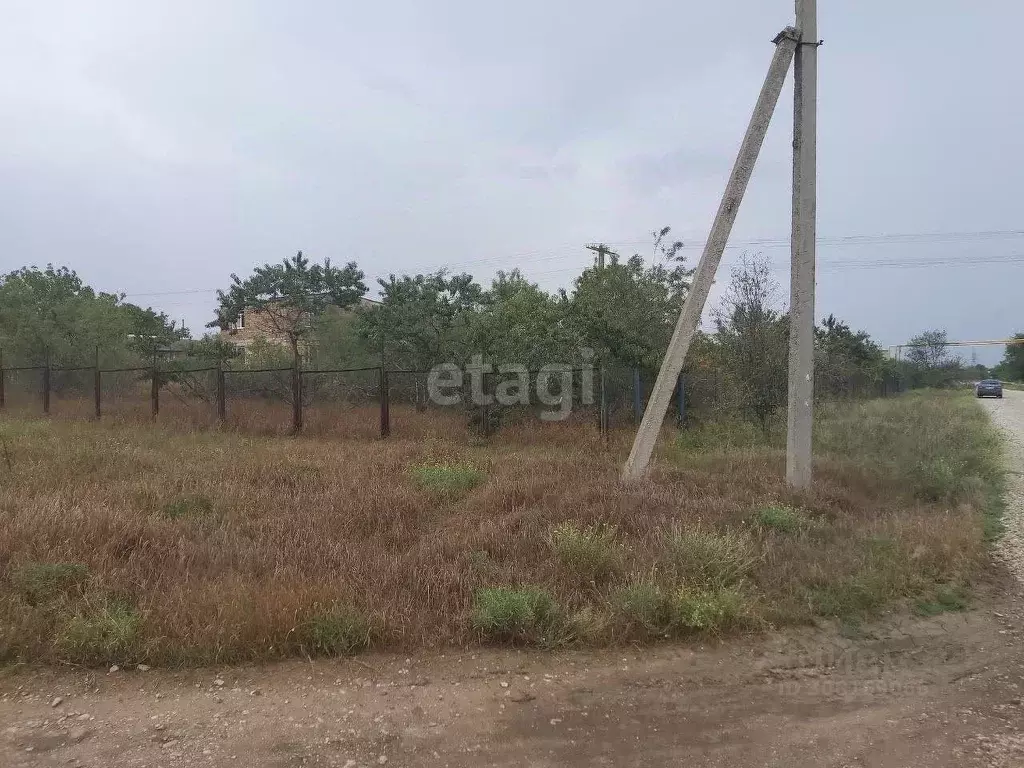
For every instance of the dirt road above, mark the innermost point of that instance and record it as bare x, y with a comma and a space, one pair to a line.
1008, 413
939, 692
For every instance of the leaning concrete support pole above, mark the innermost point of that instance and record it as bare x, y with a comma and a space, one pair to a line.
689, 318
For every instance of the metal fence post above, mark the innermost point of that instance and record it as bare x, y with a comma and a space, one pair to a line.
638, 396
3, 395
97, 385
154, 392
296, 398
485, 408
602, 417
222, 406
385, 403
681, 403
46, 385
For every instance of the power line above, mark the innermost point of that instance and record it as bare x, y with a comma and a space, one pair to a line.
846, 240
898, 238
874, 239
824, 266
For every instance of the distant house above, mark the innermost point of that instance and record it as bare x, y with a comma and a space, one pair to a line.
255, 324
176, 350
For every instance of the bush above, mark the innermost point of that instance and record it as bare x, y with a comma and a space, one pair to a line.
43, 582
861, 594
335, 632
102, 633
649, 607
588, 625
645, 605
448, 478
712, 610
782, 519
708, 558
505, 614
591, 552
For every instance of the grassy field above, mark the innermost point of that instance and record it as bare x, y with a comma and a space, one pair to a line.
125, 543
255, 416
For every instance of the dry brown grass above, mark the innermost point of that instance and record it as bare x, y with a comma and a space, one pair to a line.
273, 417
205, 545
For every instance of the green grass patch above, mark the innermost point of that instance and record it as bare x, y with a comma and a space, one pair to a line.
448, 478
41, 583
645, 606
196, 507
590, 552
886, 574
844, 599
506, 614
337, 631
724, 434
706, 558
783, 519
101, 633
654, 610
711, 610
940, 445
993, 524
946, 599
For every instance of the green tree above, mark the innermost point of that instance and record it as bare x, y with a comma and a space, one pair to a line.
337, 342
928, 362
291, 296
1012, 365
520, 323
845, 360
751, 337
212, 348
627, 310
423, 320
928, 349
52, 314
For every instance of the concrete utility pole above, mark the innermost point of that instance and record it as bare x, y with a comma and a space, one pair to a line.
801, 293
602, 250
689, 318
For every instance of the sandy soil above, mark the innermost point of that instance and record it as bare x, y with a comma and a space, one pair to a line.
945, 691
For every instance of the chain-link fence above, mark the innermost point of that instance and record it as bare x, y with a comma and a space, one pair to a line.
21, 388
342, 402
70, 392
126, 395
374, 402
189, 396
260, 401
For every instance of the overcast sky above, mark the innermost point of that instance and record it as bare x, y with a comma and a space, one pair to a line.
158, 146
